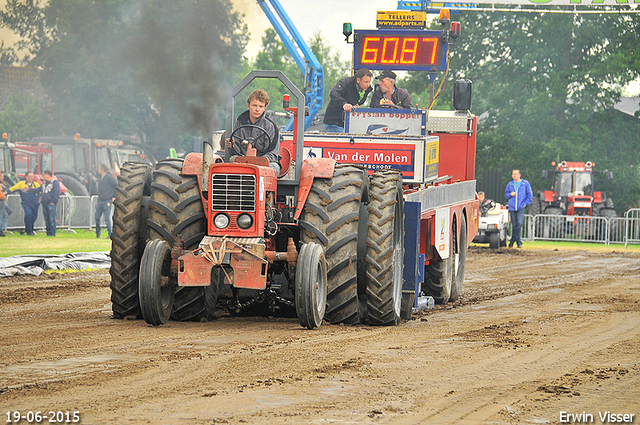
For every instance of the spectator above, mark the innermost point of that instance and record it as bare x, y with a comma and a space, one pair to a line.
50, 194
519, 195
106, 195
485, 204
255, 116
348, 93
386, 92
4, 208
29, 196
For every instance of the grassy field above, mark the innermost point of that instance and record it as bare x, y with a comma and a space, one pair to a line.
86, 241
562, 245
63, 243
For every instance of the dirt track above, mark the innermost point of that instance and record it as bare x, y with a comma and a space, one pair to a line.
535, 334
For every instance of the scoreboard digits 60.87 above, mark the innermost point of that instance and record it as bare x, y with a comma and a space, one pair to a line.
402, 50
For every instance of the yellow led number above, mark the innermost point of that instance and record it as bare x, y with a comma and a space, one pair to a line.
370, 50
411, 51
434, 49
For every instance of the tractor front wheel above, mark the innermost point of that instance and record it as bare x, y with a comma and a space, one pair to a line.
156, 288
311, 285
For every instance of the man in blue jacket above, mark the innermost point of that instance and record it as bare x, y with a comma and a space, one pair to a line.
519, 195
50, 194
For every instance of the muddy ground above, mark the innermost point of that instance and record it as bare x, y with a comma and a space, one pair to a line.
536, 333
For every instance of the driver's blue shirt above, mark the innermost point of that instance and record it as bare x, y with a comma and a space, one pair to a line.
259, 140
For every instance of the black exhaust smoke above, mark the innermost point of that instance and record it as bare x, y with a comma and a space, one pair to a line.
186, 53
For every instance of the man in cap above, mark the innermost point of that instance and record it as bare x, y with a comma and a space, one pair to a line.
386, 92
348, 94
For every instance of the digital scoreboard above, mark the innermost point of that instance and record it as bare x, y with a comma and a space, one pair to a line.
399, 50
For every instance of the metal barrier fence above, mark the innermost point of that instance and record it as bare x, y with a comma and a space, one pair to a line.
73, 213
78, 212
582, 229
632, 226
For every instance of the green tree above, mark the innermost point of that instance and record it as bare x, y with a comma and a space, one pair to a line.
153, 71
541, 82
22, 117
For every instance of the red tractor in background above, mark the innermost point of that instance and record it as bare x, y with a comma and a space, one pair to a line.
572, 194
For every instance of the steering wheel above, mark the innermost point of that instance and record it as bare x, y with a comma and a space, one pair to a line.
389, 106
270, 145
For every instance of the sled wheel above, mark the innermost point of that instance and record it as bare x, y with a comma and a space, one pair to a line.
311, 285
156, 289
459, 243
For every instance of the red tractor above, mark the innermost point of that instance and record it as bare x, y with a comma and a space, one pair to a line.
572, 194
235, 231
324, 239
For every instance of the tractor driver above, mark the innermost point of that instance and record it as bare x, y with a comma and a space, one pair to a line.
253, 127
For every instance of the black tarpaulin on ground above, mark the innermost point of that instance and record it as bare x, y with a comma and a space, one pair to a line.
36, 264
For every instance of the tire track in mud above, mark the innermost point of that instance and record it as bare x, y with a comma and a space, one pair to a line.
477, 361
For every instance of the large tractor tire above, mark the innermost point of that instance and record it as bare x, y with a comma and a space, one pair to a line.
609, 213
535, 206
128, 237
330, 219
385, 248
175, 209
459, 259
608, 203
554, 227
73, 184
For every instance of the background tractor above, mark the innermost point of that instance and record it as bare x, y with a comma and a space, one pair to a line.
572, 193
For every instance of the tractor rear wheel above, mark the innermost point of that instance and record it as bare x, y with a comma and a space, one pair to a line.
311, 285
608, 213
385, 248
175, 209
535, 206
554, 226
156, 288
73, 184
128, 237
330, 218
460, 259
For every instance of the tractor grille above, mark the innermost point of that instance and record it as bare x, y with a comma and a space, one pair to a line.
233, 192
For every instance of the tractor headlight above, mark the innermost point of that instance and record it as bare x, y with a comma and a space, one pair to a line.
221, 221
244, 221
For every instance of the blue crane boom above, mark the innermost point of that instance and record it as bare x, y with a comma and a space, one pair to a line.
302, 54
